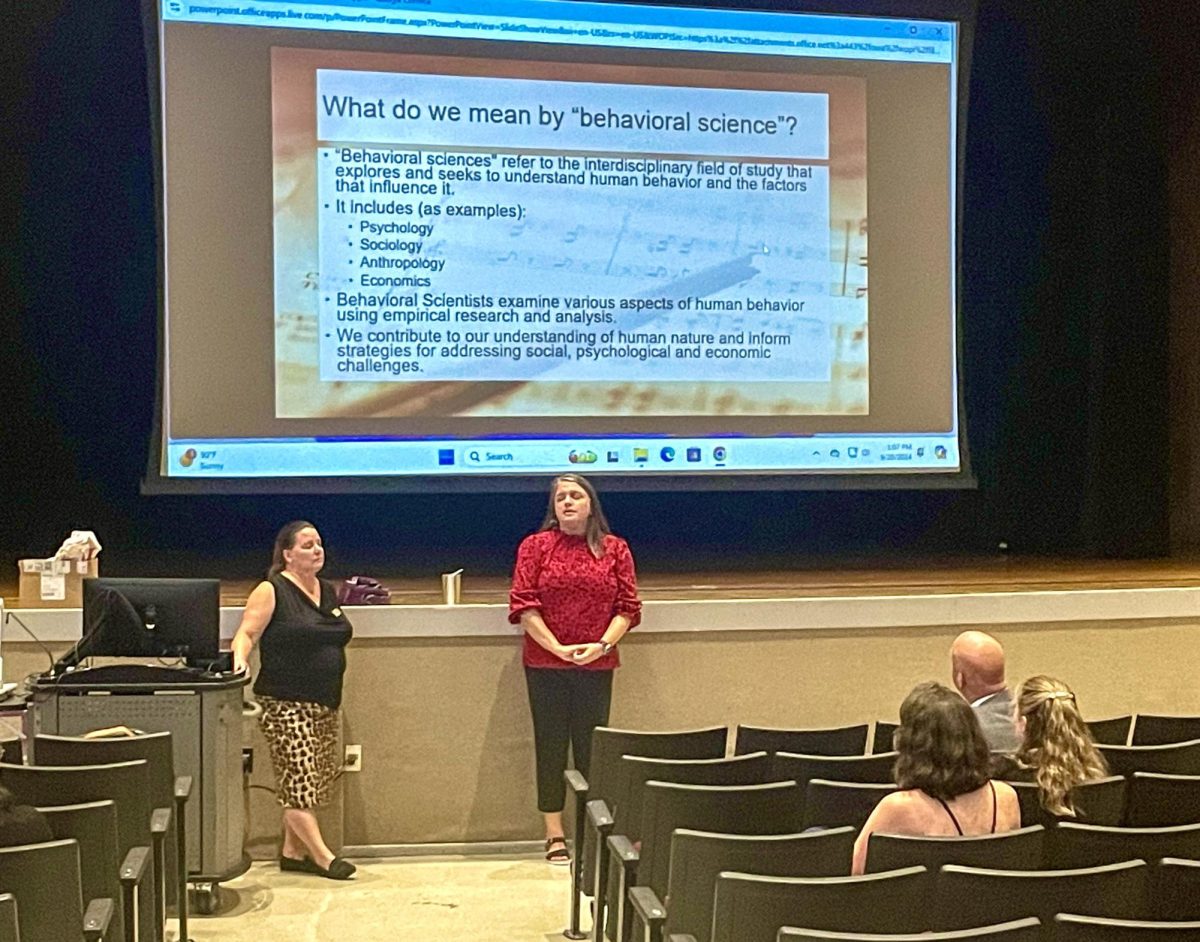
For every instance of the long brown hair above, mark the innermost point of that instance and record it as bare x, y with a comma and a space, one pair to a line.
942, 750
1057, 743
285, 539
597, 523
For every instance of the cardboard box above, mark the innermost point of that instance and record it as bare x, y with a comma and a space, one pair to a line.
54, 583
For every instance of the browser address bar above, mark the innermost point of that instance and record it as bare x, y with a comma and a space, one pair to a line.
564, 31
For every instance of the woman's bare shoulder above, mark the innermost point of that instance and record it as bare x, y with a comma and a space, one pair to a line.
901, 810
1007, 800
261, 592
1004, 791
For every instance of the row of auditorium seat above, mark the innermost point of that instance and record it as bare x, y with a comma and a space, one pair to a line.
754, 828
1064, 928
628, 858
117, 814
756, 908
1133, 730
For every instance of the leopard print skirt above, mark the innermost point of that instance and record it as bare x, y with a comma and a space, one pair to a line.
303, 739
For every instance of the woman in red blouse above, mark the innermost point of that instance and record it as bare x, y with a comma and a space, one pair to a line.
574, 592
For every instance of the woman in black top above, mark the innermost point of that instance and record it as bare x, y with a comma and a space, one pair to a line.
303, 636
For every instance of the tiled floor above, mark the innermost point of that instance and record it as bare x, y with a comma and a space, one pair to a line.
439, 899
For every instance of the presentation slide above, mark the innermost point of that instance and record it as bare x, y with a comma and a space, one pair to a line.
506, 233
429, 245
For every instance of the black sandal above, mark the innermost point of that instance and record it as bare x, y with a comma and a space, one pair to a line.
560, 856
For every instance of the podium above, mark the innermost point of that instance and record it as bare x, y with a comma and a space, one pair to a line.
203, 713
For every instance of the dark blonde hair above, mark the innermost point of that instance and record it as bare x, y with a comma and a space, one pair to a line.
285, 539
942, 750
1057, 743
597, 523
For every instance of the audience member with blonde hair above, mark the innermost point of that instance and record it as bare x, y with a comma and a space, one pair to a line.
1055, 742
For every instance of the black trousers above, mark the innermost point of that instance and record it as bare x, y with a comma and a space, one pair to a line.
566, 706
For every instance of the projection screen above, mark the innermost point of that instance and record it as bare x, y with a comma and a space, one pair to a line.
445, 245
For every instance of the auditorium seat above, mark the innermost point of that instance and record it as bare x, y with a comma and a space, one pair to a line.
1009, 850
44, 879
126, 783
166, 791
602, 781
9, 923
1071, 928
1098, 802
1152, 730
93, 826
1020, 930
749, 908
1176, 885
885, 733
751, 769
773, 808
1156, 799
804, 768
1180, 758
698, 856
965, 897
837, 804
1113, 731
841, 741
1072, 846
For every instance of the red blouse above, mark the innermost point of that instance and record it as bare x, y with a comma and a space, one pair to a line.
577, 594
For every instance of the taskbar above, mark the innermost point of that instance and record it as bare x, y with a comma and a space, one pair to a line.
308, 457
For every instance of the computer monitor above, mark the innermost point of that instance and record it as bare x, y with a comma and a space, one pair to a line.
149, 618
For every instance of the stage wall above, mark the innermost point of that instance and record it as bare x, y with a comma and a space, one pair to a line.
444, 723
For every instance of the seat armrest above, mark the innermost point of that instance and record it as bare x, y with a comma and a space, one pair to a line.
598, 814
96, 919
576, 784
648, 908
647, 904
183, 787
133, 867
622, 848
624, 857
160, 821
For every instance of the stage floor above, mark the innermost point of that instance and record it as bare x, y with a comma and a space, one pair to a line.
847, 578
821, 579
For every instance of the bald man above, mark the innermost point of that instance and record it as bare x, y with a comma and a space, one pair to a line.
977, 663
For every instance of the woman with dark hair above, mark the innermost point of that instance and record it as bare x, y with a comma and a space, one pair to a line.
303, 634
574, 592
21, 824
942, 772
1056, 744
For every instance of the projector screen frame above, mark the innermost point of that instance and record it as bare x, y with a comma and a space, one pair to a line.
155, 482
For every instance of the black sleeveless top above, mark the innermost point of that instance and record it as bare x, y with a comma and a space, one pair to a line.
303, 646
954, 818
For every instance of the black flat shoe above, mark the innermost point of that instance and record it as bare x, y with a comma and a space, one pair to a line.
338, 869
292, 865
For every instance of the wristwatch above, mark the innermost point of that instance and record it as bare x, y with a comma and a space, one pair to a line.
605, 647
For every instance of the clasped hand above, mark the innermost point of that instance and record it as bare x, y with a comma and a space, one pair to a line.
581, 653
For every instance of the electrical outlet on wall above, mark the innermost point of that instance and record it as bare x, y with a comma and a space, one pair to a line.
353, 759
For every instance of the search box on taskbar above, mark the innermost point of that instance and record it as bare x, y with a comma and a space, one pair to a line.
500, 459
